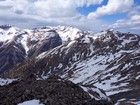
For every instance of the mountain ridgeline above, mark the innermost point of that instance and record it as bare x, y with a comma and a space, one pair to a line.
108, 60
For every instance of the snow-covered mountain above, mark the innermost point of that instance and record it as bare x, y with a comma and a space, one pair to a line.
17, 45
109, 60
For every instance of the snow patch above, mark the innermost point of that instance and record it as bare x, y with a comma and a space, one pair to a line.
102, 96
71, 43
42, 55
68, 33
31, 102
24, 42
7, 34
6, 81
132, 101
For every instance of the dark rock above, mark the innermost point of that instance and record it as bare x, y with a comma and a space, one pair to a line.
52, 91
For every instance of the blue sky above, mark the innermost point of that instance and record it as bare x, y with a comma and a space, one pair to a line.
111, 18
86, 10
94, 15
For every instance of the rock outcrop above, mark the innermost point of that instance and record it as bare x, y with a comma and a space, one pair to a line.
53, 91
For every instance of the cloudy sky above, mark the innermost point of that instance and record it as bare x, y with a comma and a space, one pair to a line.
94, 15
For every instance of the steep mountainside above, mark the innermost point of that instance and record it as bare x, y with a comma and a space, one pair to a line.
16, 45
109, 60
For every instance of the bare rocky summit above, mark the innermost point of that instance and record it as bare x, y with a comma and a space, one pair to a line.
53, 91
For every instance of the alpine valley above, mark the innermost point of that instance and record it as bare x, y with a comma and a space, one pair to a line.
67, 66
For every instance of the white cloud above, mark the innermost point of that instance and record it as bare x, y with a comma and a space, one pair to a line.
112, 7
47, 8
32, 13
135, 18
81, 3
132, 24
32, 21
61, 8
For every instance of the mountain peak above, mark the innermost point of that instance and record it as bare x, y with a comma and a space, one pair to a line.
5, 26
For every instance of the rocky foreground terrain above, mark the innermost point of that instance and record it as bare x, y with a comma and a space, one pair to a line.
53, 91
109, 60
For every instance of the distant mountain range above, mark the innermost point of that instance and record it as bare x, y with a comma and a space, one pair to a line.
109, 60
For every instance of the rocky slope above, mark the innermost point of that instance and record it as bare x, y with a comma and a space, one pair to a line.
109, 60
53, 91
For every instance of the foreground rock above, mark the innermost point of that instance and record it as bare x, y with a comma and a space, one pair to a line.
53, 91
